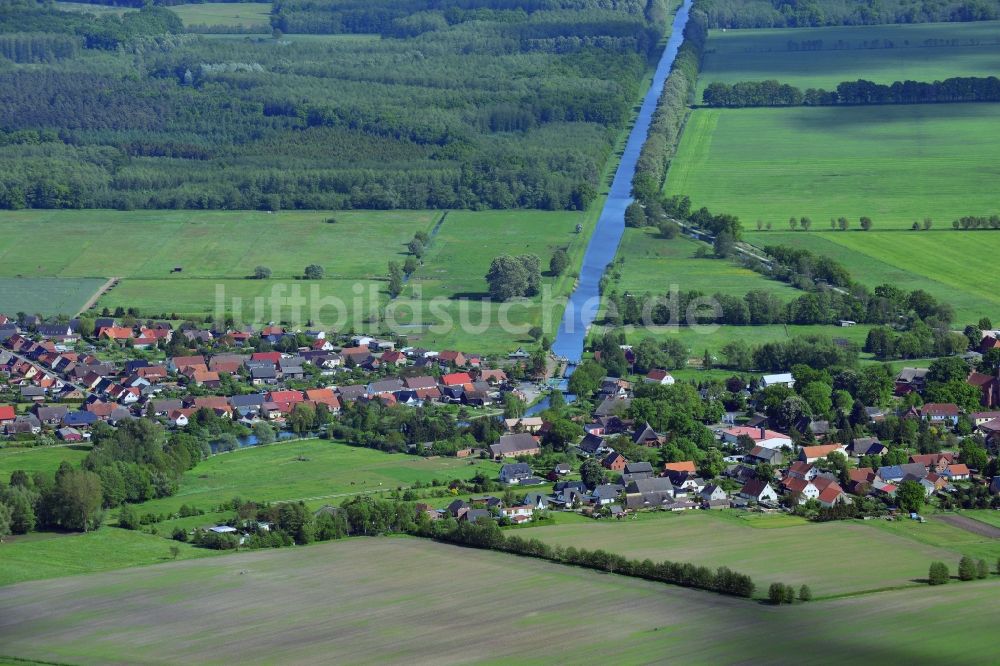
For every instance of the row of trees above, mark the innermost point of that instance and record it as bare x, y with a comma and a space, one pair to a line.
71, 499
968, 569
486, 534
671, 111
852, 93
812, 13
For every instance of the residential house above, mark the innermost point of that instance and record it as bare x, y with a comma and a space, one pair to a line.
911, 380
867, 446
592, 445
658, 376
646, 436
760, 454
531, 424
456, 379
957, 472
513, 473
760, 436
940, 412
804, 490
759, 491
811, 454
513, 445
614, 461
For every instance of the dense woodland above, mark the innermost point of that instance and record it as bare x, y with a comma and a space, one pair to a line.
853, 93
810, 13
488, 104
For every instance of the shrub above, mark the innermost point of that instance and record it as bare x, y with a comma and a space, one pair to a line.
938, 574
805, 594
966, 568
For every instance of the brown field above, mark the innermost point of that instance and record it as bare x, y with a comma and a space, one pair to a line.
413, 601
969, 525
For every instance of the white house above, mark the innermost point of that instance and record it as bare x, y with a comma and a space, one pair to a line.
517, 513
758, 491
657, 376
781, 379
769, 439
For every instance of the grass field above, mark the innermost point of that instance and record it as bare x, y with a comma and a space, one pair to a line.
895, 164
452, 605
51, 555
230, 14
316, 470
824, 556
97, 10
954, 266
39, 458
919, 52
988, 516
45, 295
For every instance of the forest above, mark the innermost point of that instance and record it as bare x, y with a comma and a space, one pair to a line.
487, 104
813, 13
860, 92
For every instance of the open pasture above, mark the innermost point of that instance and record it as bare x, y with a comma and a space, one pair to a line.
824, 57
228, 14
953, 266
319, 471
39, 458
449, 605
52, 555
45, 295
823, 556
894, 164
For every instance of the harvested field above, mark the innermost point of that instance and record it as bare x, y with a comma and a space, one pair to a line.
969, 525
351, 602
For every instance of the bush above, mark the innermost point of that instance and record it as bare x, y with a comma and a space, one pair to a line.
966, 568
982, 570
805, 594
128, 518
179, 534
938, 574
776, 593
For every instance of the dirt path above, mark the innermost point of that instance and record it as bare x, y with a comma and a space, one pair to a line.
92, 301
970, 525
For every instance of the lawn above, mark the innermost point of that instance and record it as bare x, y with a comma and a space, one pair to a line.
45, 295
827, 557
39, 458
456, 605
948, 264
894, 164
319, 471
879, 53
49, 555
228, 14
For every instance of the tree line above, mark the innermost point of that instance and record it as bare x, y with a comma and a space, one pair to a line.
814, 13
853, 93
671, 112
487, 535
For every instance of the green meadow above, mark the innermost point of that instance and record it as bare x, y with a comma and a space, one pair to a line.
879, 53
317, 471
50, 555
39, 458
229, 14
894, 164
824, 556
45, 295
954, 266
325, 599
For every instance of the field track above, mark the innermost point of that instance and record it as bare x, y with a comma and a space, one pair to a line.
92, 301
970, 525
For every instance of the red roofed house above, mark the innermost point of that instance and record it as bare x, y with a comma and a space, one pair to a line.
685, 466
456, 379
291, 397
272, 356
393, 358
116, 333
324, 396
805, 490
811, 454
178, 363
657, 376
769, 439
957, 472
934, 462
989, 387
455, 358
939, 412
832, 494
7, 414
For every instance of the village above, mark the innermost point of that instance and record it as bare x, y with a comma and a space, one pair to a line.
61, 383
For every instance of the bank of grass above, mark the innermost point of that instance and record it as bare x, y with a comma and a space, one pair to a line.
228, 14
39, 458
45, 295
879, 53
317, 471
894, 164
50, 555
953, 266
177, 612
821, 555
939, 534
